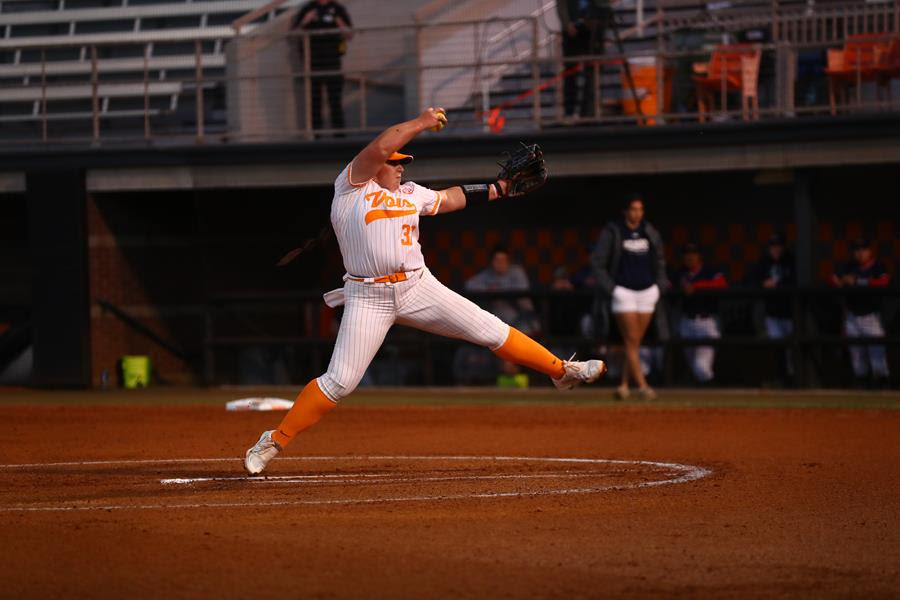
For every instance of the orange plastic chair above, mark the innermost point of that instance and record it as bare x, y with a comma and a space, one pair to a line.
864, 57
731, 68
891, 63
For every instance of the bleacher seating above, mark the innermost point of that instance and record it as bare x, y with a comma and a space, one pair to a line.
691, 25
510, 89
378, 69
638, 24
146, 56
138, 51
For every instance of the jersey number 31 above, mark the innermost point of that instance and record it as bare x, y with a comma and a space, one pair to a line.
408, 230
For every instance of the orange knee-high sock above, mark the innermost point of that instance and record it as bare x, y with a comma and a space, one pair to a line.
522, 350
310, 406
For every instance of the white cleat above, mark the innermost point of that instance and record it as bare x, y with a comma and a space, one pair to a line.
578, 372
259, 455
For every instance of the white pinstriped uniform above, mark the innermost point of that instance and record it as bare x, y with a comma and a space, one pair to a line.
378, 233
378, 230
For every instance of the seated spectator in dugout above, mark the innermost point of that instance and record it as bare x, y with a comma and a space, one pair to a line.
564, 310
569, 312
862, 316
699, 314
504, 276
776, 271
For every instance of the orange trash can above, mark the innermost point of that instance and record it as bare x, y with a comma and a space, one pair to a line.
643, 73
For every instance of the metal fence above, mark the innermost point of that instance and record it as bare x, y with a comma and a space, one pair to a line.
296, 328
492, 76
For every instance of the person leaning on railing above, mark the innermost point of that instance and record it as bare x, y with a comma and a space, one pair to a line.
584, 24
699, 315
862, 316
325, 51
776, 271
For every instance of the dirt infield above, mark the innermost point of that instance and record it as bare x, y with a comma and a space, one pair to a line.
461, 501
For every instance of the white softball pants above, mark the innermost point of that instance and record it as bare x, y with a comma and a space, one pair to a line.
700, 358
778, 328
421, 301
864, 358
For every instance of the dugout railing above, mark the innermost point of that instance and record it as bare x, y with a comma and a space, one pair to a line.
298, 329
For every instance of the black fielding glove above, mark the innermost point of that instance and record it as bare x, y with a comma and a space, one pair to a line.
524, 171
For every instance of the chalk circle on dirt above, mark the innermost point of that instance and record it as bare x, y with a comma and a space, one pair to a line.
330, 480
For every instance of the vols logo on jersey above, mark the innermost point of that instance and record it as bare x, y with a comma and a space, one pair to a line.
393, 207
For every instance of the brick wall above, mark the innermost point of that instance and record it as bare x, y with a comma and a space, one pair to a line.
151, 274
160, 256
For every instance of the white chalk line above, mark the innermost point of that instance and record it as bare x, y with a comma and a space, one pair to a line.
689, 473
374, 479
161, 461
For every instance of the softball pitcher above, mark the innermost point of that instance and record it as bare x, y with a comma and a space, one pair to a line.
376, 222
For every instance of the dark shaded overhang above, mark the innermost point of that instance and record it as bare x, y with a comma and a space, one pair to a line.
571, 152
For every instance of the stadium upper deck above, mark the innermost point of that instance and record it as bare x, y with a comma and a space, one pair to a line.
162, 71
216, 94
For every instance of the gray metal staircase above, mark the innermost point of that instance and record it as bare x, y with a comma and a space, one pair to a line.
515, 91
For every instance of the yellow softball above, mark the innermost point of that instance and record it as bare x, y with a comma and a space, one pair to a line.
442, 121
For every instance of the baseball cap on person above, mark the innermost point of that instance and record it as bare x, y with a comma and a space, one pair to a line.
776, 239
859, 243
400, 159
561, 273
690, 248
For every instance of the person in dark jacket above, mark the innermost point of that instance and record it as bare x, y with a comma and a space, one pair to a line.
325, 52
584, 24
629, 265
776, 271
862, 317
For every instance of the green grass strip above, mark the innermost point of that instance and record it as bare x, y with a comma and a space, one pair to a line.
593, 396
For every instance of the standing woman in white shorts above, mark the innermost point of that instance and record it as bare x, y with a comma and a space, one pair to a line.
630, 266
